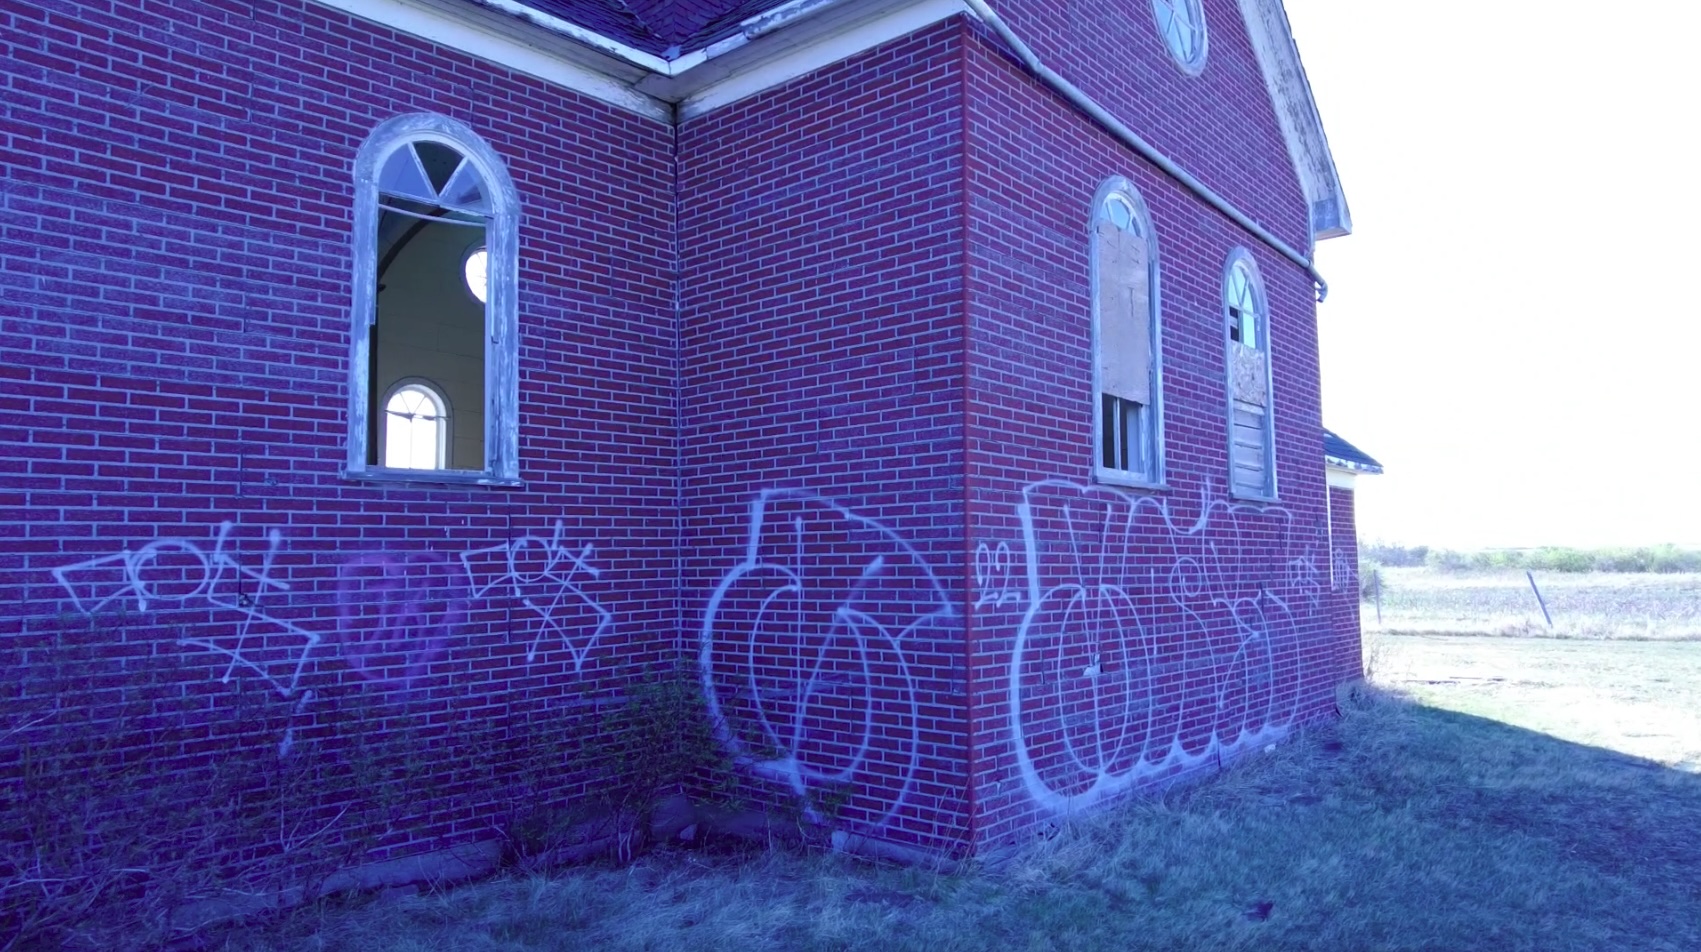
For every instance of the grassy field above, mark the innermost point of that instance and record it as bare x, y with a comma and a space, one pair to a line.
1530, 794
1584, 605
1640, 697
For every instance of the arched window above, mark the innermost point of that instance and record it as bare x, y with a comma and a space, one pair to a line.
416, 428
436, 270
1126, 339
1181, 23
1252, 459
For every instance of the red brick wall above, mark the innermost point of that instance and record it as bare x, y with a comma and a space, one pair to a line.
175, 214
1123, 636
804, 398
821, 442
1344, 582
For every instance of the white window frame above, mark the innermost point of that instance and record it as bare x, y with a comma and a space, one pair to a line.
1153, 425
1240, 258
501, 309
1164, 13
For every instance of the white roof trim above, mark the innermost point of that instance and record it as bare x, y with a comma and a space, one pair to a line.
801, 56
771, 48
796, 38
1296, 110
1347, 465
505, 41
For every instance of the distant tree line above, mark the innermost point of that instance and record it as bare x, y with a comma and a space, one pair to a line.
1658, 558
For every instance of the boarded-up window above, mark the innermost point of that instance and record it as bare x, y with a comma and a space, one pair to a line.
1251, 443
1125, 322
1250, 449
1246, 370
1126, 339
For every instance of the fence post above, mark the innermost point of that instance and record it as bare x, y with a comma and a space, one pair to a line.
1376, 585
1539, 600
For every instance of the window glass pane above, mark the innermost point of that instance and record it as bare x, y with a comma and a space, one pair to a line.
403, 176
1243, 302
1119, 213
465, 191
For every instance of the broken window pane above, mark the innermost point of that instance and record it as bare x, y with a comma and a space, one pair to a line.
439, 161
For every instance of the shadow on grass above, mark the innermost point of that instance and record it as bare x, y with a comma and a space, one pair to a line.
1398, 827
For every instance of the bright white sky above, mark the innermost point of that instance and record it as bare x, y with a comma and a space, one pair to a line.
1514, 327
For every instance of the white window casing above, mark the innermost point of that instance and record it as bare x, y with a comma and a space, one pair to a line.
1126, 336
490, 194
1251, 430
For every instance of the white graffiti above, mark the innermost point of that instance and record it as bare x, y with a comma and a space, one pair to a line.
995, 576
1343, 569
179, 573
544, 574
805, 656
1305, 581
1150, 643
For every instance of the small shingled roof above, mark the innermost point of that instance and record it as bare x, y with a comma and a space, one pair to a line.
665, 28
1338, 452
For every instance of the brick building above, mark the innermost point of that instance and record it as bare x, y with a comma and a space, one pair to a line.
934, 383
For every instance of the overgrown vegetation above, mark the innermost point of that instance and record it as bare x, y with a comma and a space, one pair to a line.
126, 799
1399, 827
1659, 559
141, 805
638, 753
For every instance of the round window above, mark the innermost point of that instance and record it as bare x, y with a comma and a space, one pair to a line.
1182, 25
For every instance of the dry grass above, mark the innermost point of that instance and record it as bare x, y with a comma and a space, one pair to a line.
1597, 605
1401, 826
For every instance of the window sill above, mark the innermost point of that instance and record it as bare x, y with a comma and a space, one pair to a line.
1253, 497
448, 477
1121, 480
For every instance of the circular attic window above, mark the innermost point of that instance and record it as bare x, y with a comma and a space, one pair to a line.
1181, 23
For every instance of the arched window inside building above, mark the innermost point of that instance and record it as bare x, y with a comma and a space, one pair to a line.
416, 428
